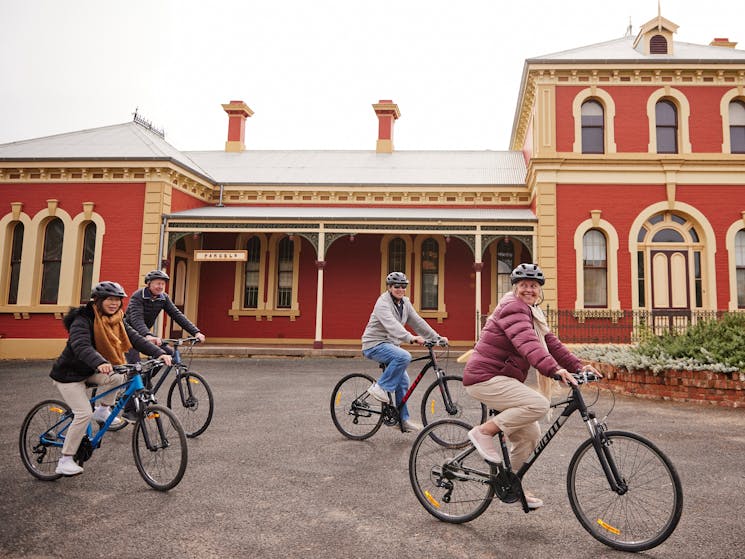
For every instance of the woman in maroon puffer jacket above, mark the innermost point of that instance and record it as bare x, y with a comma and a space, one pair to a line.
515, 338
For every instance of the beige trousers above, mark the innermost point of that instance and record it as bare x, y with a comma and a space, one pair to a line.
74, 394
520, 409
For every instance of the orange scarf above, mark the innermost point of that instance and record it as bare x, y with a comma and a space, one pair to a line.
110, 336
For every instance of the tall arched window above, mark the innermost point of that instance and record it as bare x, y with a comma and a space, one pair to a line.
595, 267
737, 127
88, 255
396, 255
430, 271
285, 259
505, 263
666, 120
740, 267
592, 127
15, 262
51, 262
253, 262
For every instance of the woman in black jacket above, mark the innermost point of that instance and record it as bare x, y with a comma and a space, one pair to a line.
99, 339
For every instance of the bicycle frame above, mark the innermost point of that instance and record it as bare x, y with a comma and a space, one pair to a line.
431, 364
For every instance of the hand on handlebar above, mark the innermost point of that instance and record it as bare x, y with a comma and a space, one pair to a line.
154, 340
417, 340
200, 337
105, 368
565, 376
443, 341
167, 360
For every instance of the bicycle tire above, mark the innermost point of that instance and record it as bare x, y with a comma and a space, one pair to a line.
646, 514
355, 413
467, 409
163, 465
439, 483
39, 458
195, 412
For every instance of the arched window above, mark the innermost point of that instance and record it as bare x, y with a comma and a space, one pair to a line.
505, 263
15, 262
253, 263
595, 268
737, 127
666, 119
658, 45
51, 261
396, 256
430, 272
592, 127
285, 258
88, 255
740, 267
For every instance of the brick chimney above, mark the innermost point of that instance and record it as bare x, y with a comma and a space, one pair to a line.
387, 112
723, 42
237, 111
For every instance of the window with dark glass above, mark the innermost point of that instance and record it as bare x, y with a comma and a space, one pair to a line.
595, 268
285, 257
253, 260
592, 128
396, 255
15, 262
666, 118
51, 261
740, 267
640, 277
737, 127
658, 45
430, 270
86, 261
505, 260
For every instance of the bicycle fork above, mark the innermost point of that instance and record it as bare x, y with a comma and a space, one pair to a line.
602, 446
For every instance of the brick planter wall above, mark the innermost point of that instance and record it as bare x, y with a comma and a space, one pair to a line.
696, 387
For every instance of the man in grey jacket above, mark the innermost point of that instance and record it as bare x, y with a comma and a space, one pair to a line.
383, 336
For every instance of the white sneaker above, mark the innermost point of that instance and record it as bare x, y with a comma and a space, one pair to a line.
378, 393
485, 445
102, 413
410, 426
533, 501
68, 467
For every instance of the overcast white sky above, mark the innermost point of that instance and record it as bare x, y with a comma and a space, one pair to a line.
310, 69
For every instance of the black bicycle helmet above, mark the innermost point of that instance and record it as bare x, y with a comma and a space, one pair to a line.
527, 272
107, 289
396, 277
156, 274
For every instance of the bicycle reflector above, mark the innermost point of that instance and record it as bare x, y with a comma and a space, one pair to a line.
431, 499
608, 527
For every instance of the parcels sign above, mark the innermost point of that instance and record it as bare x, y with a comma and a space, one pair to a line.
221, 255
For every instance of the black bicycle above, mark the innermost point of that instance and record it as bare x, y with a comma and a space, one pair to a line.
189, 395
357, 415
623, 489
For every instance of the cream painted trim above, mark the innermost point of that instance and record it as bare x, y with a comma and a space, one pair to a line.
384, 242
67, 271
158, 197
31, 348
684, 113
727, 98
609, 117
6, 224
79, 223
271, 304
708, 243
612, 245
441, 312
732, 262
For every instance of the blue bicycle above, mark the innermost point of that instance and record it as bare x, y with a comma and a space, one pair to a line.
158, 440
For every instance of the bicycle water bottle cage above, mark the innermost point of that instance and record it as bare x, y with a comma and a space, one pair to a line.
85, 450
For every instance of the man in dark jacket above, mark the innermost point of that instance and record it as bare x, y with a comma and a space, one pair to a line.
146, 304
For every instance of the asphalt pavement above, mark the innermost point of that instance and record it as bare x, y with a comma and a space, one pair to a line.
272, 478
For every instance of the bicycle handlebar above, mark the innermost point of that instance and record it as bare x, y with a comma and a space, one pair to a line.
433, 343
582, 377
180, 341
142, 366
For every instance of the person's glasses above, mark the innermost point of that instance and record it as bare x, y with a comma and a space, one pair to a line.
400, 285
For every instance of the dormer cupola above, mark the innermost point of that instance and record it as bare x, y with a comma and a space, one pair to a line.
656, 37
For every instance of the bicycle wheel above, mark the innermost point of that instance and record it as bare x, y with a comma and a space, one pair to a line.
159, 448
40, 427
190, 398
448, 476
642, 517
356, 414
463, 407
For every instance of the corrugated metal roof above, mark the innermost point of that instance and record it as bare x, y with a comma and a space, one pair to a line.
292, 213
128, 141
364, 167
623, 49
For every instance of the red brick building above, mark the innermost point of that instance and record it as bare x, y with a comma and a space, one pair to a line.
624, 181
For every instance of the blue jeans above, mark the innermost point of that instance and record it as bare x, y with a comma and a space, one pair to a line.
394, 378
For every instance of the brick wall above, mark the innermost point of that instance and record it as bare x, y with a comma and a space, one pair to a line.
696, 387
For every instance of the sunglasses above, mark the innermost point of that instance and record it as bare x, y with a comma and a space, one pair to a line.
400, 285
